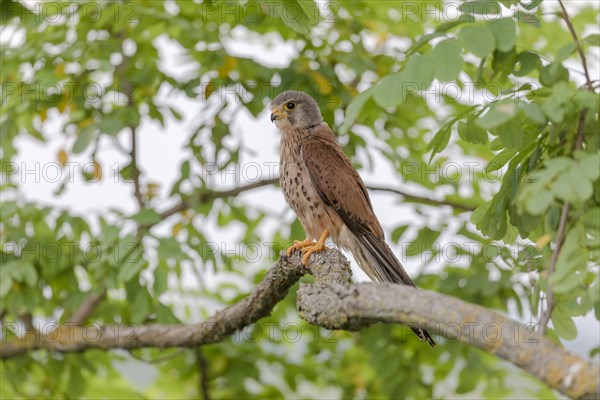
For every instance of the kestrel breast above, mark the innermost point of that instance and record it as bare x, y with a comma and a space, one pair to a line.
299, 192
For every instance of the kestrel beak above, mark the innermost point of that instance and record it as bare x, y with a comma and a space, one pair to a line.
276, 113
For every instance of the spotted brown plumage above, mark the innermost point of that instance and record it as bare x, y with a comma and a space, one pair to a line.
327, 194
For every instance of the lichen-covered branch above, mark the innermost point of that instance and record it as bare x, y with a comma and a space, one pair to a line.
333, 302
353, 307
71, 337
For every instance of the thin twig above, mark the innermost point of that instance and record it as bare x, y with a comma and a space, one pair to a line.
203, 372
580, 130
562, 226
423, 199
578, 43
87, 307
217, 194
136, 172
549, 292
27, 320
560, 235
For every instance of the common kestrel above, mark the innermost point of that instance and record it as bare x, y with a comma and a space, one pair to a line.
327, 194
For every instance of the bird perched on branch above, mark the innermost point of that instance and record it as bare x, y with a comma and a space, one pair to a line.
327, 194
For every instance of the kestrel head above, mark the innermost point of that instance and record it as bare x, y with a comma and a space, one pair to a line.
295, 109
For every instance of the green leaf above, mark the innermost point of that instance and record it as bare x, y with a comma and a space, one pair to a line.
511, 133
586, 99
500, 160
300, 15
555, 107
483, 7
588, 165
84, 138
310, 9
398, 232
447, 59
110, 126
147, 216
185, 169
6, 284
563, 324
440, 141
564, 53
161, 274
496, 144
534, 112
471, 132
424, 241
353, 110
169, 248
553, 73
479, 40
538, 202
530, 19
498, 114
505, 33
568, 284
141, 306
129, 269
390, 91
129, 172
573, 184
29, 274
526, 62
419, 72
592, 40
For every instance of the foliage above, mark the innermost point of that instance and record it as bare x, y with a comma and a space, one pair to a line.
471, 103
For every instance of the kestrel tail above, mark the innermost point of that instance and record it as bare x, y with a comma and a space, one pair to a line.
328, 195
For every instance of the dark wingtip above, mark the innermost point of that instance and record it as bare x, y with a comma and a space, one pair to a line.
427, 338
424, 336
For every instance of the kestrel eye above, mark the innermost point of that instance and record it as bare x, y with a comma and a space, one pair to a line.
290, 106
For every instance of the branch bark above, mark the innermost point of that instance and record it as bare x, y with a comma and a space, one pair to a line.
220, 194
217, 194
353, 307
203, 374
71, 337
334, 303
567, 19
423, 199
137, 191
87, 307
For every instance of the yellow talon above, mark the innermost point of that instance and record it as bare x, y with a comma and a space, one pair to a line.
315, 248
298, 245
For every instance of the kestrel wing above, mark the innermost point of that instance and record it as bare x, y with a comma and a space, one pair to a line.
339, 185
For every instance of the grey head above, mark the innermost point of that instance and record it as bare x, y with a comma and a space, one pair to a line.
295, 109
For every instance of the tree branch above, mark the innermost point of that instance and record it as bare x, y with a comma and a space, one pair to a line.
217, 194
74, 338
220, 194
87, 307
560, 237
578, 43
334, 303
203, 374
137, 192
423, 199
353, 307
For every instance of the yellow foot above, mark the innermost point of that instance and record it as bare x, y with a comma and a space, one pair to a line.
299, 245
315, 248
